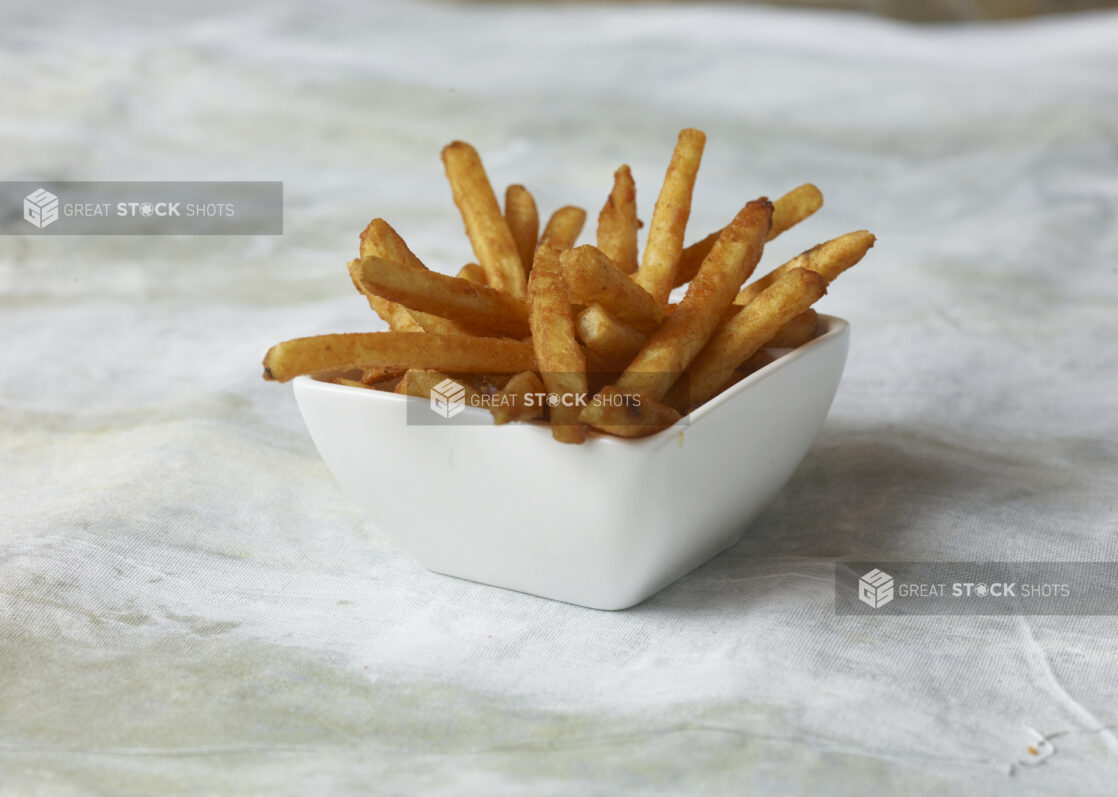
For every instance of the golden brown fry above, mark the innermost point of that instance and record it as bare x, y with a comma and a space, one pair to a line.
618, 223
613, 342
561, 362
592, 278
421, 381
524, 222
398, 318
436, 325
743, 334
794, 207
378, 239
341, 380
755, 363
828, 259
692, 257
462, 353
564, 226
370, 376
799, 330
627, 414
789, 210
669, 220
489, 234
487, 384
472, 272
521, 399
478, 308
687, 328
596, 366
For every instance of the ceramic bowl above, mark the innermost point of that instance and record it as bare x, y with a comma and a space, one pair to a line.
605, 524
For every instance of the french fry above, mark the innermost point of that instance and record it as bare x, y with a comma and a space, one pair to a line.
352, 383
744, 334
692, 257
564, 226
370, 376
592, 278
512, 402
828, 259
487, 384
798, 331
613, 342
524, 222
420, 382
627, 415
687, 328
794, 207
472, 272
396, 316
379, 239
486, 228
788, 211
364, 350
478, 308
669, 220
618, 223
596, 366
561, 363
755, 363
750, 366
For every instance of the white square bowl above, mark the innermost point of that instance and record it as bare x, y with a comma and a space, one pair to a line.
605, 524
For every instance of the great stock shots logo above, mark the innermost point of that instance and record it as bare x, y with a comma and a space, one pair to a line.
191, 207
40, 208
495, 402
448, 398
976, 588
875, 588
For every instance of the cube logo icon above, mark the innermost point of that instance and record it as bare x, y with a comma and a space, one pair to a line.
40, 208
448, 398
875, 588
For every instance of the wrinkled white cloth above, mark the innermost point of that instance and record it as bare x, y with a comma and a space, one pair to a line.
189, 603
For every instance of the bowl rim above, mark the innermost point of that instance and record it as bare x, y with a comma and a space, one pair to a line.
830, 327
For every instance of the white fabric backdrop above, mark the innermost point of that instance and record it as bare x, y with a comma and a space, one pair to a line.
188, 601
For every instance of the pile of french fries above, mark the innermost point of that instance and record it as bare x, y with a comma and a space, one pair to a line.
589, 327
